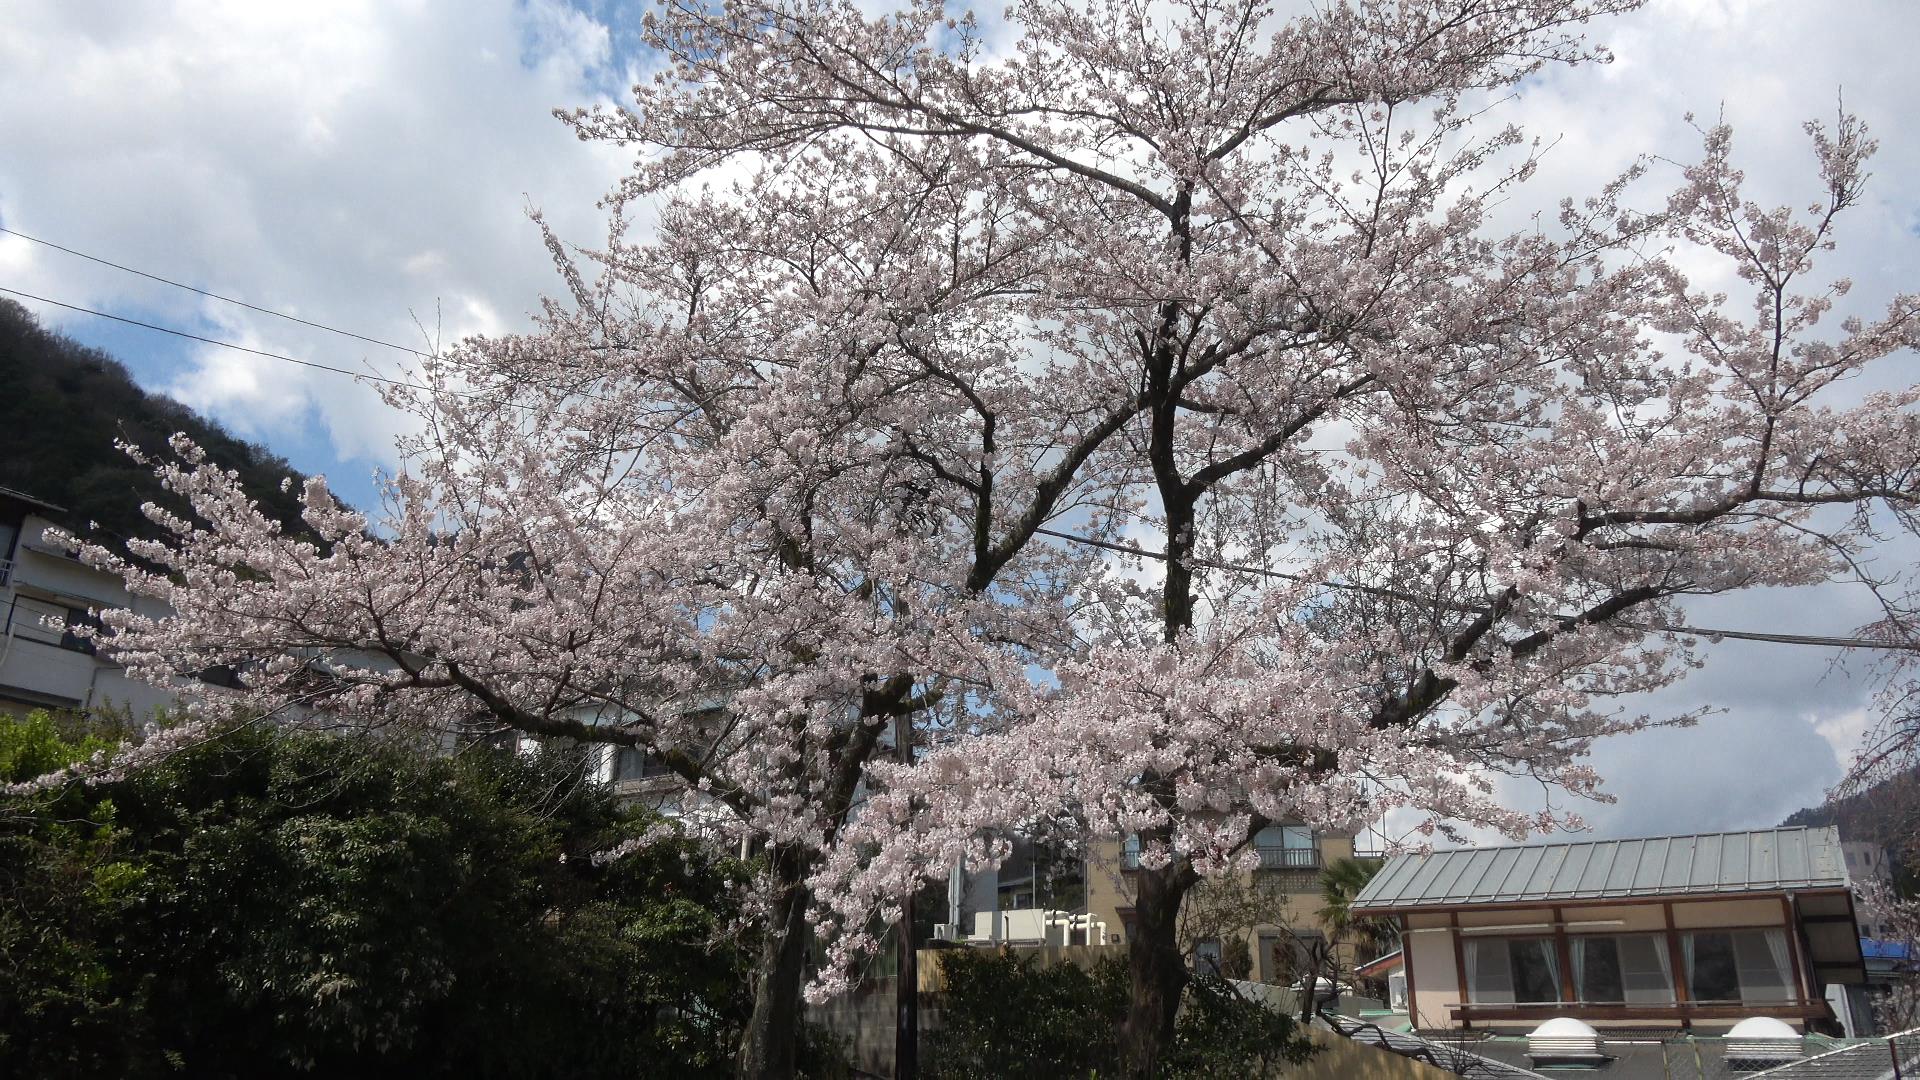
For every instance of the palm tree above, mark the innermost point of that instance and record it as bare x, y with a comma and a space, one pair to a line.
1340, 883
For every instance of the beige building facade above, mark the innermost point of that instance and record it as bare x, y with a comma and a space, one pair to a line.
1291, 860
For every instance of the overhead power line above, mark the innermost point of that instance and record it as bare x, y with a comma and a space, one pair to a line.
476, 395
1815, 640
1818, 640
211, 295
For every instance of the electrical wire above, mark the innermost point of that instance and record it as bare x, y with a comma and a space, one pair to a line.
211, 295
476, 395
1815, 640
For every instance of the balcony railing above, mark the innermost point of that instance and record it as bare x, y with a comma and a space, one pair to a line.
1668, 1011
1288, 858
6, 571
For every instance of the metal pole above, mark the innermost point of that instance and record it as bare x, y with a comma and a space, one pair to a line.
906, 1035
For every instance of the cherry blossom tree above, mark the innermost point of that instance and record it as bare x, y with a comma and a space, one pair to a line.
1146, 400
788, 457
1549, 436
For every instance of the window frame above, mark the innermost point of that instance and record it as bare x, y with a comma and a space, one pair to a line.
1479, 989
1662, 966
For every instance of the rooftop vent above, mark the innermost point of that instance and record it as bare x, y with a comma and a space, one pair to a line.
1761, 1042
1564, 1040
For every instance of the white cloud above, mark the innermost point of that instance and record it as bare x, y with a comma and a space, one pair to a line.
1843, 731
357, 165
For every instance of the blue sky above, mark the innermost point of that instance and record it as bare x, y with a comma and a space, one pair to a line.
370, 163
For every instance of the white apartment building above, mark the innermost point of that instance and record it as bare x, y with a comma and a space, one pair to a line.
43, 593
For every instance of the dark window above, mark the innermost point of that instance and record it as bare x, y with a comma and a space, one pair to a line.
1536, 977
1621, 968
221, 675
634, 763
77, 618
1738, 965
1505, 970
1596, 966
1711, 974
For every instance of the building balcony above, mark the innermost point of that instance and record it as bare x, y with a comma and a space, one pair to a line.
1288, 858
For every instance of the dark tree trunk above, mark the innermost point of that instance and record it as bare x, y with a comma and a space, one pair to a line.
1158, 970
767, 1046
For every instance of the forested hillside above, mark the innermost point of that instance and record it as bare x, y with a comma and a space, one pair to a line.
62, 405
1887, 813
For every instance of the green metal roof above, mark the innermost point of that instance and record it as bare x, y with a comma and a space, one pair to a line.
1759, 861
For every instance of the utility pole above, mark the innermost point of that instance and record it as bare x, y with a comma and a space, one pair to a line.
906, 1035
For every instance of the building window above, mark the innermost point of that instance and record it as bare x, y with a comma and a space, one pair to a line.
75, 619
1630, 968
634, 763
220, 675
1206, 957
1287, 847
1130, 853
1737, 965
1505, 971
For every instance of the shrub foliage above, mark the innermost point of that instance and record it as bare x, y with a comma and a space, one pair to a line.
1006, 1016
273, 904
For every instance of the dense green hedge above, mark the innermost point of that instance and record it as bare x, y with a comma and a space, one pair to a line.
273, 904
1004, 1016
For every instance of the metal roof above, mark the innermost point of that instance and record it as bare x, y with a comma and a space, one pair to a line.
1887, 1058
1759, 861
21, 496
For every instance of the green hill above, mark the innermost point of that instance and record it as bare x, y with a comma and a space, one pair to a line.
62, 407
1888, 814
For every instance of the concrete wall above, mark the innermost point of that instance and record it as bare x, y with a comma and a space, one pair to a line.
1433, 983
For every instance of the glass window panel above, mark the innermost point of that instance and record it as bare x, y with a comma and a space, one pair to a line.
1489, 971
1712, 972
1296, 836
1596, 965
1536, 973
1645, 974
634, 763
1763, 975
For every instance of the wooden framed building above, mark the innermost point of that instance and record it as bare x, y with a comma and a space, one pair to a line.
1674, 932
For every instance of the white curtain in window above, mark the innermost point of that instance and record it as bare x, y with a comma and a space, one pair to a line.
1665, 959
1577, 952
1552, 954
1471, 957
1777, 948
